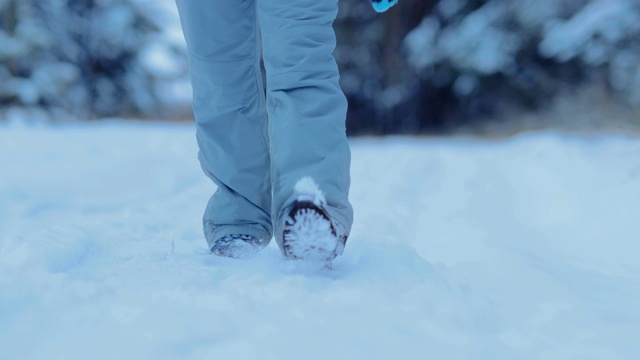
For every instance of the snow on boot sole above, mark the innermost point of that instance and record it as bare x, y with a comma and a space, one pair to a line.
309, 233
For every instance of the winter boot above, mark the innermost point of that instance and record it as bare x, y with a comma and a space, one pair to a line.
238, 246
309, 234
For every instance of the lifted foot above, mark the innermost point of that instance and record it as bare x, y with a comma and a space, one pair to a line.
309, 234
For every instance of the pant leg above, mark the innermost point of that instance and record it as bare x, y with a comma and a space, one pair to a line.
306, 106
231, 124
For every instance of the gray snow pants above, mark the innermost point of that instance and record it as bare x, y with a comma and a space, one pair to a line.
254, 148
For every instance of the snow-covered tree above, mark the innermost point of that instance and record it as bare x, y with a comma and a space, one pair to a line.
432, 64
425, 65
527, 48
92, 57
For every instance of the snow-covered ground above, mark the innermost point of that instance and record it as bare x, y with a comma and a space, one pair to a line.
525, 248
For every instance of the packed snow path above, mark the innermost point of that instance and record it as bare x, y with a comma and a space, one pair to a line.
525, 248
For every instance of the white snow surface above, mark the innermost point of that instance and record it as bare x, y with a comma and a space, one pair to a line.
525, 248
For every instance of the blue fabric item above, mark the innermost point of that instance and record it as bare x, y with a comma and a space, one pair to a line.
383, 5
256, 148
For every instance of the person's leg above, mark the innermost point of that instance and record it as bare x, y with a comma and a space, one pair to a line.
231, 125
306, 106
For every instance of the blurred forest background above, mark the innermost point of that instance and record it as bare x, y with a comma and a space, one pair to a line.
426, 66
